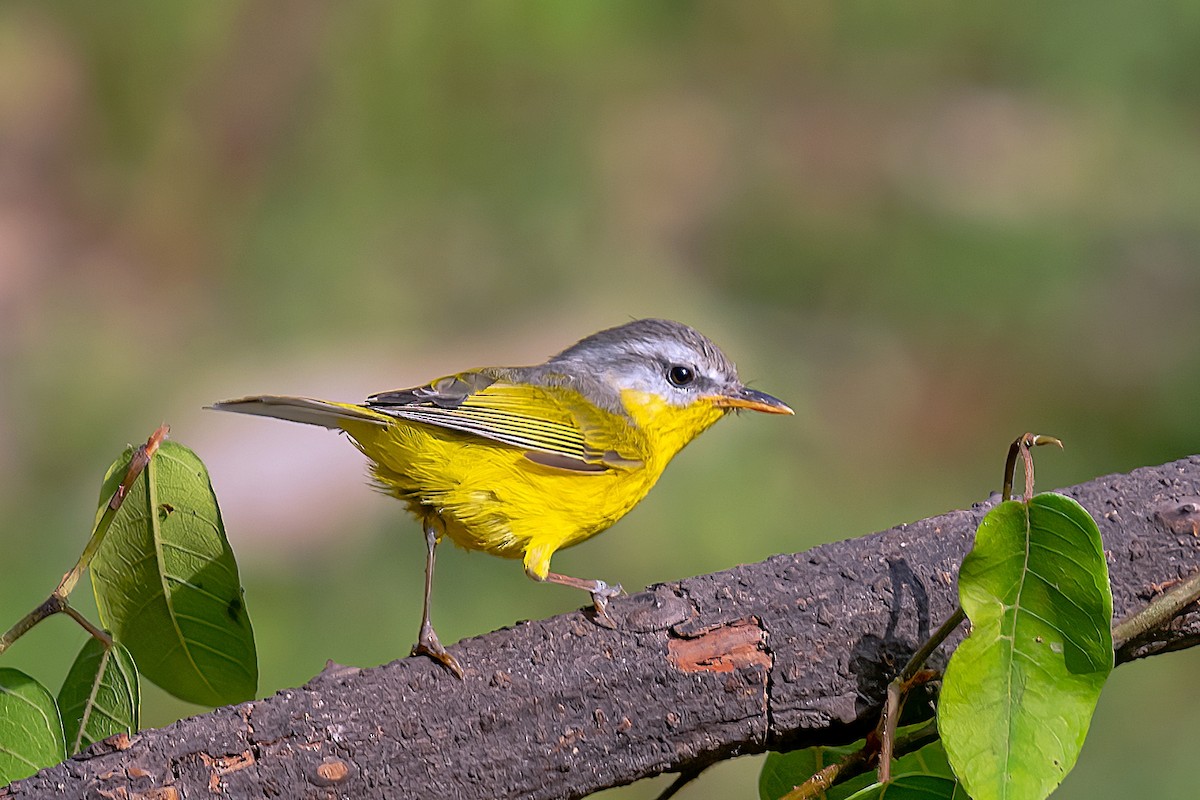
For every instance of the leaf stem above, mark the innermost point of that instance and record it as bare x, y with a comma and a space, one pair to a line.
936, 638
104, 637
1021, 446
900, 686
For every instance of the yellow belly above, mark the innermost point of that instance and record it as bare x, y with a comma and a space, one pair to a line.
490, 497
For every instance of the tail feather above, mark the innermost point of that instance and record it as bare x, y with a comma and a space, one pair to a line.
301, 409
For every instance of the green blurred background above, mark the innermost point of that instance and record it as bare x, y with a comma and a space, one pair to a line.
929, 226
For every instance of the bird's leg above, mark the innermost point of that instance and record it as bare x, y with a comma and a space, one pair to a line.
599, 590
428, 643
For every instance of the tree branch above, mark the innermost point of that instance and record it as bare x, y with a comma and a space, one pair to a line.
795, 650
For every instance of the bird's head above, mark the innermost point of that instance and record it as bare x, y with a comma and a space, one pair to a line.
662, 368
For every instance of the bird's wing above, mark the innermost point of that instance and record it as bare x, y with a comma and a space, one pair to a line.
556, 426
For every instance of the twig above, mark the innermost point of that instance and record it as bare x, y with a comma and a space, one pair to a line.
57, 601
1159, 611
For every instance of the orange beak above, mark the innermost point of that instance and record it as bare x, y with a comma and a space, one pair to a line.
753, 400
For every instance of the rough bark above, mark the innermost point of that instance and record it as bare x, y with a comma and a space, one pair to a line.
796, 649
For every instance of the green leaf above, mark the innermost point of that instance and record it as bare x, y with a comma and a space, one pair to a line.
913, 787
100, 695
782, 772
929, 760
167, 584
1019, 692
31, 733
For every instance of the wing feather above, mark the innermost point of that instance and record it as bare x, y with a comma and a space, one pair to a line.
551, 420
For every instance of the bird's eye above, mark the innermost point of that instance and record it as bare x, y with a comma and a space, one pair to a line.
680, 375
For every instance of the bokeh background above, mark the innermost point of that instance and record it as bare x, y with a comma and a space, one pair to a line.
929, 226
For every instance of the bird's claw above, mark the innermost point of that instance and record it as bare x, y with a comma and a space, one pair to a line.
430, 645
600, 596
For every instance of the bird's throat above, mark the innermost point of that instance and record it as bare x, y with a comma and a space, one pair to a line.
669, 427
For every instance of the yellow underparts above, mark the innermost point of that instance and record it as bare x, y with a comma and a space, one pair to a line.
490, 497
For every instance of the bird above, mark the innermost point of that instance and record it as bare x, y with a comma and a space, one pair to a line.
521, 462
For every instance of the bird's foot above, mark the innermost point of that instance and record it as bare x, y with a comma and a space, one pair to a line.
429, 645
600, 595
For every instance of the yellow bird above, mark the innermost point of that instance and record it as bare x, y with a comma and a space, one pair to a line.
521, 462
